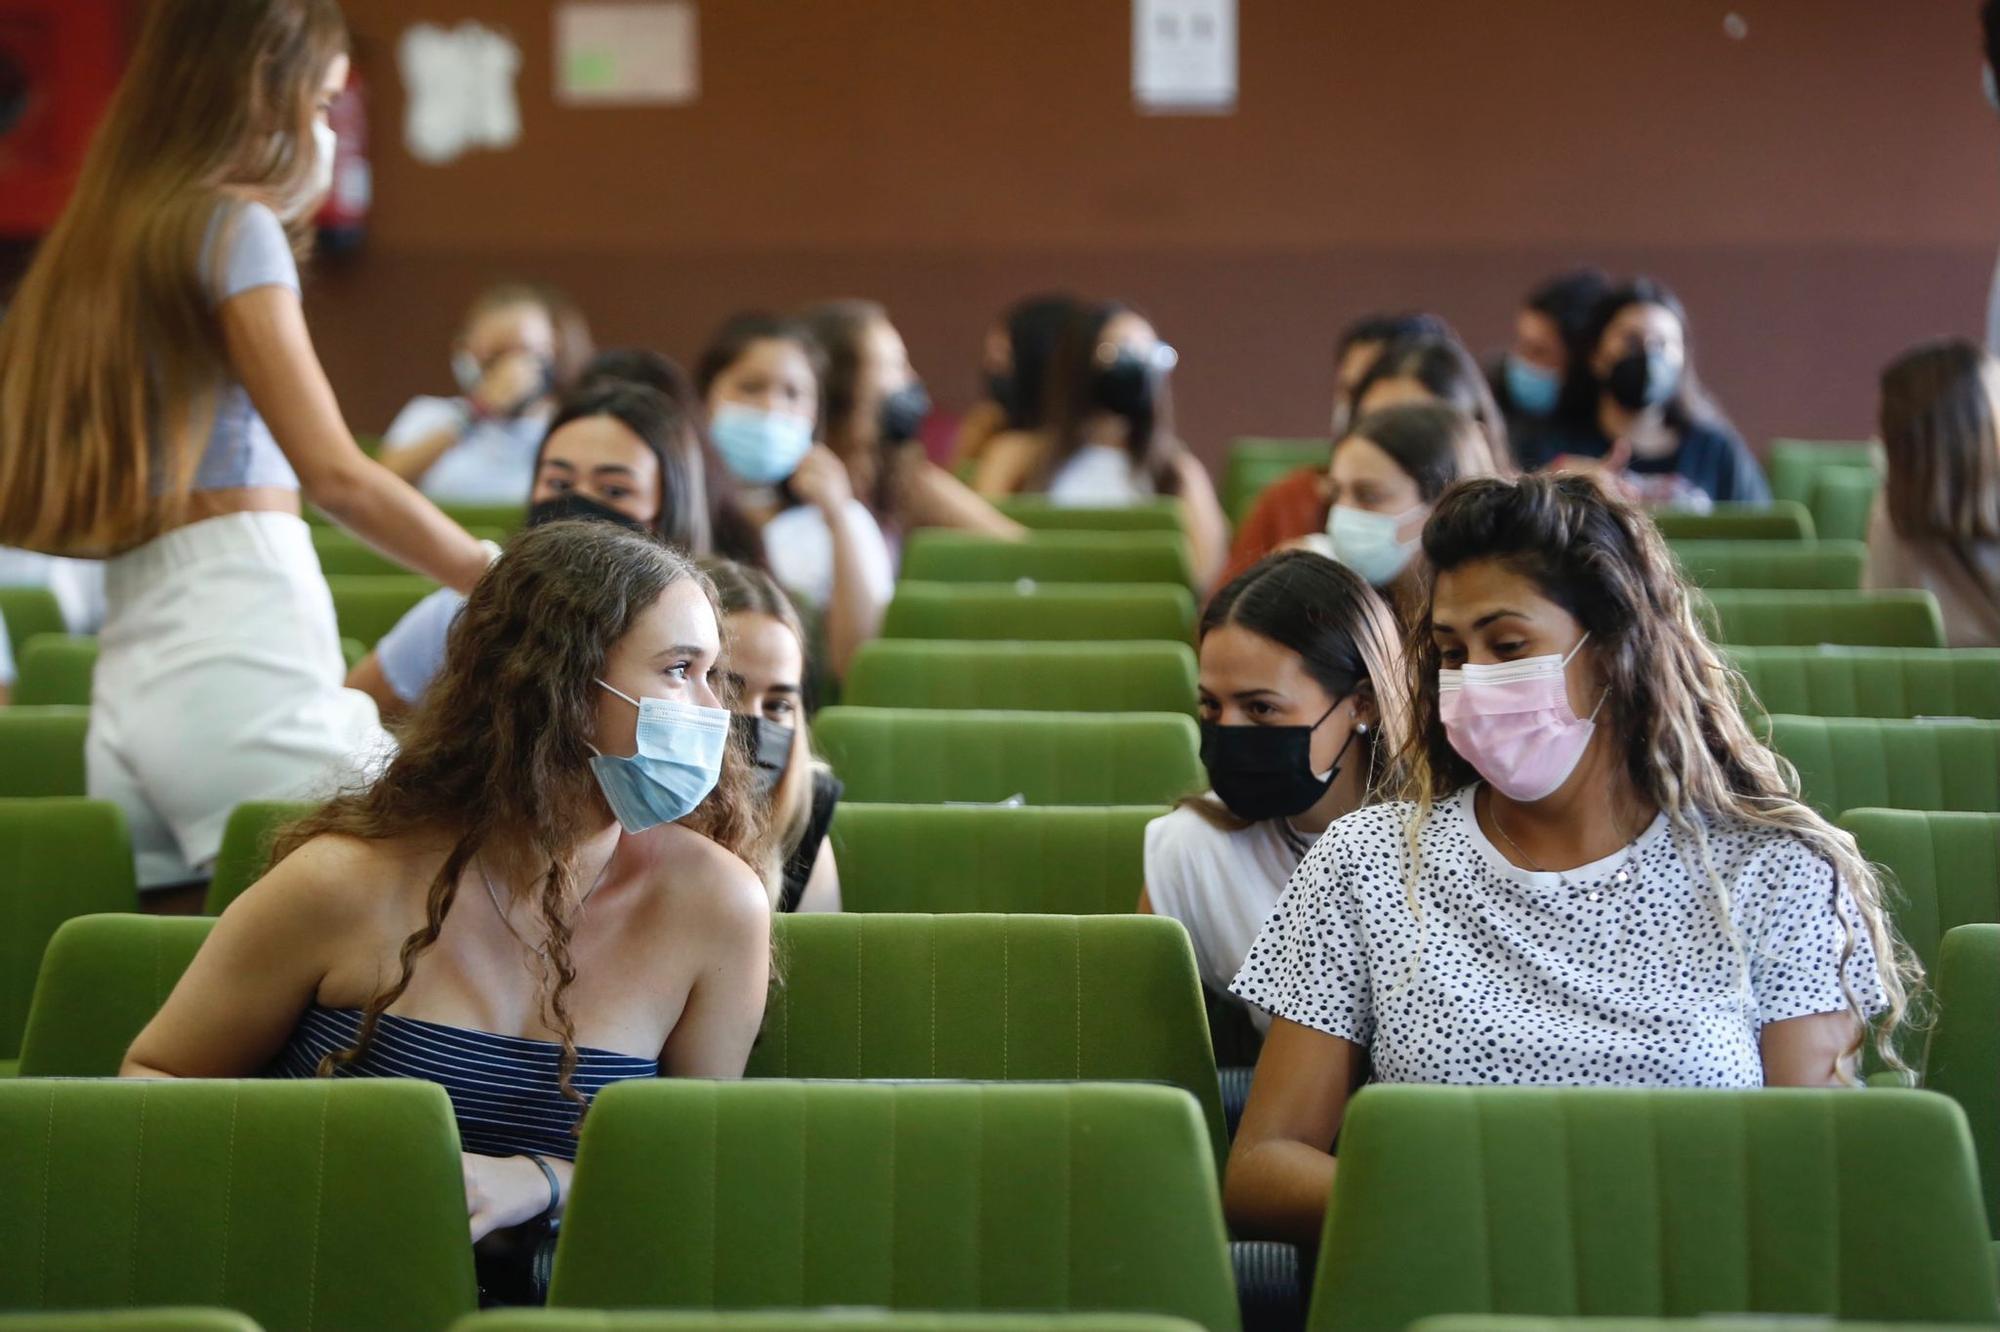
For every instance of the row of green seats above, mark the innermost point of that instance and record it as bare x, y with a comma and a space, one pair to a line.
938, 555
56, 669
1838, 481
504, 518
342, 553
708, 1196
868, 1320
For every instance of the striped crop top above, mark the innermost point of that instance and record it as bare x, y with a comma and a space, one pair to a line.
503, 1089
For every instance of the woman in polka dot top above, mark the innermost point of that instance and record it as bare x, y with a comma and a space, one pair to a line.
1597, 875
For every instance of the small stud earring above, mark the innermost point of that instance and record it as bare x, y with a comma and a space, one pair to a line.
1361, 728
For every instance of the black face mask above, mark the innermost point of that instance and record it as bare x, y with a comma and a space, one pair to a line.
1125, 386
769, 746
574, 504
1642, 379
903, 413
1265, 772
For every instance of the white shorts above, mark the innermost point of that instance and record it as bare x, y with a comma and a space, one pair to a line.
219, 680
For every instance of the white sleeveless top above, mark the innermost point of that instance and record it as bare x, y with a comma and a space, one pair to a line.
1100, 476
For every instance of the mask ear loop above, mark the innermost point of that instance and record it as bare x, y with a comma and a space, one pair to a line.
1603, 693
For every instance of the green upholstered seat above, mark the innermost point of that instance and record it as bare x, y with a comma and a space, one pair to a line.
55, 669
41, 751
919, 756
503, 518
304, 1204
1843, 499
1035, 513
773, 1195
941, 555
1598, 1202
1824, 566
1256, 461
1850, 762
1946, 867
1963, 1061
1781, 520
367, 606
1044, 612
1078, 860
802, 1320
246, 847
992, 998
1795, 465
1873, 682
102, 979
342, 553
1137, 676
1761, 618
1504, 1323
130, 1320
59, 858
28, 611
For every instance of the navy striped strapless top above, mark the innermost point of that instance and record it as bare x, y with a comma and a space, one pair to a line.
503, 1089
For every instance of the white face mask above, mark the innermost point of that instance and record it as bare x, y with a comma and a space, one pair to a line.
325, 141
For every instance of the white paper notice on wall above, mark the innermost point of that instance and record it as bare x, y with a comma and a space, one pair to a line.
459, 84
1184, 56
626, 53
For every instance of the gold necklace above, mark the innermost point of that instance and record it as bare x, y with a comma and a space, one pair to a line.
479, 862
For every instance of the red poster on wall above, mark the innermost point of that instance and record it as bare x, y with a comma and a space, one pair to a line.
59, 61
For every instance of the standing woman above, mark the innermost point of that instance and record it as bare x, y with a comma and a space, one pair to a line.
161, 404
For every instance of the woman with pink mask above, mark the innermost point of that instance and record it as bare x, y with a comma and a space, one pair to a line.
1596, 875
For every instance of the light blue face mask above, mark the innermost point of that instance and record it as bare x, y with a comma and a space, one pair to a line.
1533, 389
761, 448
679, 761
1366, 543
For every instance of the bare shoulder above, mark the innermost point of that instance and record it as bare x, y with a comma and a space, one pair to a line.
336, 882
700, 885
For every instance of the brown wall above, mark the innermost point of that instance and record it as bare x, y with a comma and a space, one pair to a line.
1822, 192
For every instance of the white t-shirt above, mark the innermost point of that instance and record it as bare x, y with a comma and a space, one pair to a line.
798, 548
1099, 476
413, 652
493, 461
1585, 977
1221, 885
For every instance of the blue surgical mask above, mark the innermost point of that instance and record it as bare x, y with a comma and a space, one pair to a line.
761, 448
1532, 389
679, 761
1366, 543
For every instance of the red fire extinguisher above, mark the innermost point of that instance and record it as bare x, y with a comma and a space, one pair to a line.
343, 218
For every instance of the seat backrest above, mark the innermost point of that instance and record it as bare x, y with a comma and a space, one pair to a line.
1854, 762
1794, 465
313, 1203
913, 756
41, 751
102, 979
28, 611
504, 518
1830, 566
1076, 860
942, 555
1780, 520
246, 847
1873, 682
343, 553
994, 998
1640, 1202
55, 669
832, 1320
775, 1195
1505, 1323
59, 858
1040, 612
1035, 513
1256, 461
1758, 618
131, 1320
1037, 677
367, 606
1946, 867
1842, 500
1964, 1057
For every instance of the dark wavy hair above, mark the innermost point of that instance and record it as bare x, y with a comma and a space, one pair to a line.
1434, 443
1690, 406
1449, 374
500, 744
1670, 701
666, 431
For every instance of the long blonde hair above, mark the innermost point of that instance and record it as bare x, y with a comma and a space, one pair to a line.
110, 356
1671, 699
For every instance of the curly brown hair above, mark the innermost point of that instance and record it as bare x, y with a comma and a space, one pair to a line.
500, 745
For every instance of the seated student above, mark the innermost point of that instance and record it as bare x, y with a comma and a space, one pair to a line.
1296, 503
512, 910
1014, 369
1303, 705
1109, 438
764, 666
1598, 875
1937, 525
613, 453
1548, 342
874, 406
1637, 411
479, 447
1427, 368
760, 378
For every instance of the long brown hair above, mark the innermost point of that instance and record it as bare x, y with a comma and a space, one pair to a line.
500, 746
1940, 424
110, 355
1671, 698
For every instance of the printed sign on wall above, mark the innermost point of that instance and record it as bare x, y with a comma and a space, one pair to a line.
626, 52
1184, 56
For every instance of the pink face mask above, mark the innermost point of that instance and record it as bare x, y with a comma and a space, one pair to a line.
1513, 722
